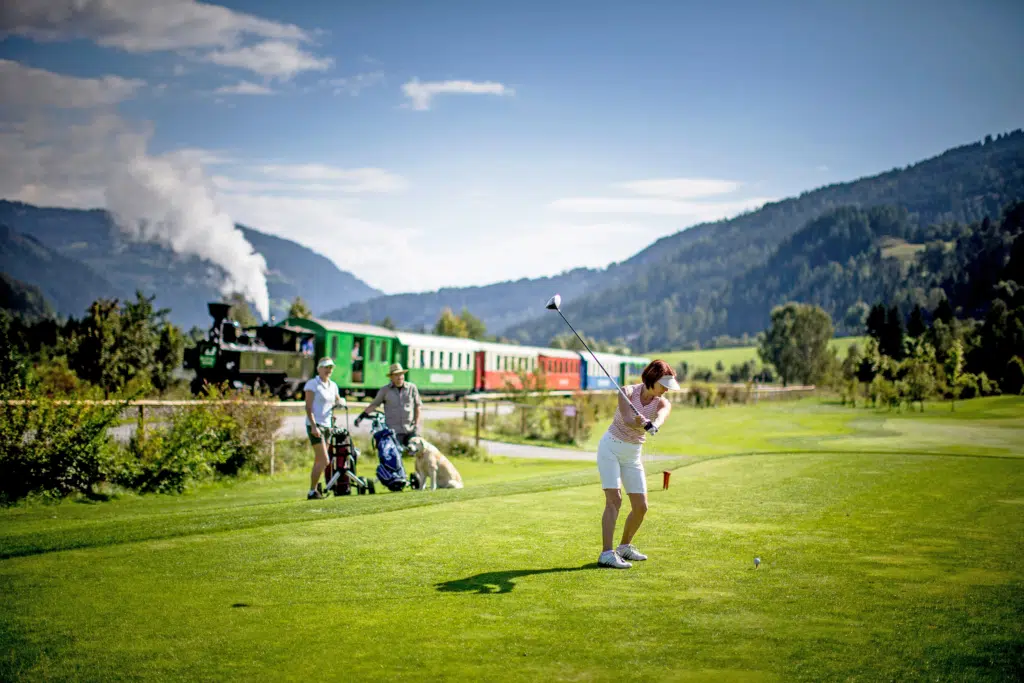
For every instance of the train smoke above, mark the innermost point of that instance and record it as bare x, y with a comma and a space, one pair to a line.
166, 200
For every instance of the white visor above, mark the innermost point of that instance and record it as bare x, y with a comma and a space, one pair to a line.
669, 382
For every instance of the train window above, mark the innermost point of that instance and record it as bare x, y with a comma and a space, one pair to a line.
373, 348
432, 360
423, 358
497, 362
384, 350
334, 346
440, 359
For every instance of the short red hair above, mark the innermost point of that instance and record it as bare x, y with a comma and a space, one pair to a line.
654, 371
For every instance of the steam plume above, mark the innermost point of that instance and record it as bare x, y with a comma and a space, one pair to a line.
166, 200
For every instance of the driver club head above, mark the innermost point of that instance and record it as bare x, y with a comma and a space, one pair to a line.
554, 302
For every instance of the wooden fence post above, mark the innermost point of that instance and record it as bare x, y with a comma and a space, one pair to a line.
478, 427
273, 440
142, 422
482, 412
522, 420
465, 410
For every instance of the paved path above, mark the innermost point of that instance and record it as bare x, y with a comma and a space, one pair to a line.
295, 423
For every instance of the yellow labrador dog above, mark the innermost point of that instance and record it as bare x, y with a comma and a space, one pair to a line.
430, 462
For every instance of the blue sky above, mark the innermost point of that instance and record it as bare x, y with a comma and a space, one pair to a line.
594, 127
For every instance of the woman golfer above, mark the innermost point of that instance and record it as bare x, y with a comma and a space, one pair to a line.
618, 455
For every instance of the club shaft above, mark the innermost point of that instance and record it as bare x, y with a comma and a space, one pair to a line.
608, 374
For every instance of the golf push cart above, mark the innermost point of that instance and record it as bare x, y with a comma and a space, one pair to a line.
342, 456
390, 470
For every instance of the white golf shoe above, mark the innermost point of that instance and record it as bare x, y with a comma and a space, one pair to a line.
629, 552
609, 558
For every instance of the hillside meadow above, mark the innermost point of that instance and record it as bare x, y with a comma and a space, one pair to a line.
708, 358
888, 542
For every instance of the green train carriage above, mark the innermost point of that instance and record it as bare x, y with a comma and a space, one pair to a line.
437, 365
361, 353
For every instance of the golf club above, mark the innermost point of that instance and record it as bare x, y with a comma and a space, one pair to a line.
554, 304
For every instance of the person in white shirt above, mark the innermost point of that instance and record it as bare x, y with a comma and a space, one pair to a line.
322, 395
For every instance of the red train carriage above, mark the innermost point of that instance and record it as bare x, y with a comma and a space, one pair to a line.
498, 366
561, 369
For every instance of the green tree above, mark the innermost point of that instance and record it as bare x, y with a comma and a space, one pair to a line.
916, 326
387, 323
796, 342
954, 369
855, 317
299, 309
95, 354
920, 373
168, 356
13, 368
475, 328
450, 325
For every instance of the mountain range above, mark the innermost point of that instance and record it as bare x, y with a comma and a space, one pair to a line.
699, 284
75, 256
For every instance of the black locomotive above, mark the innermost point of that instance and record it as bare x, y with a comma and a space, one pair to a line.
276, 358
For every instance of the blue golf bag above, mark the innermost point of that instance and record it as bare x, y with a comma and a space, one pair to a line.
390, 470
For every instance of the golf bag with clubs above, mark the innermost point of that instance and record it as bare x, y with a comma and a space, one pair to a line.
390, 470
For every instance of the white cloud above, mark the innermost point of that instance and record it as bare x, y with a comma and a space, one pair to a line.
420, 94
668, 197
166, 25
273, 58
343, 179
244, 88
25, 86
702, 211
681, 188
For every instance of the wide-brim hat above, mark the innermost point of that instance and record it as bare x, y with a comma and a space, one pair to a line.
669, 382
396, 369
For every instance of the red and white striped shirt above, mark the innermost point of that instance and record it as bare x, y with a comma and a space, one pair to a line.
624, 428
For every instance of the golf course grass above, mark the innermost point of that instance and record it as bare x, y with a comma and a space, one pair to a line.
889, 543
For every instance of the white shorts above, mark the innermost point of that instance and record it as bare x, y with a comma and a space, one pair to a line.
617, 458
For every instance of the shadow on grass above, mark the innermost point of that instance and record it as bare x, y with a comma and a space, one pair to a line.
500, 582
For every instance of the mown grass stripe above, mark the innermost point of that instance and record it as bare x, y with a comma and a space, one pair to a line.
80, 534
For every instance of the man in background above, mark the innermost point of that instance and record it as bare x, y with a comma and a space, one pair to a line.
403, 409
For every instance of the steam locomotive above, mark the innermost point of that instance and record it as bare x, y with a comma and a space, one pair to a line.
276, 358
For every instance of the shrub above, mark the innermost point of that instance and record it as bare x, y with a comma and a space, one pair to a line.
447, 436
199, 439
54, 449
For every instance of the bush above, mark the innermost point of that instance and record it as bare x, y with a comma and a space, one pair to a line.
54, 449
199, 439
447, 436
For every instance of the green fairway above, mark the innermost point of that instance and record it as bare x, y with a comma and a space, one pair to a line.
889, 544
708, 358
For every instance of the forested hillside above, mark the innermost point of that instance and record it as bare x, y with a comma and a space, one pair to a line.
678, 298
498, 306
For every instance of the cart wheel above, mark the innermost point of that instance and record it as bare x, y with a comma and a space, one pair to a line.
373, 489
414, 481
362, 490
